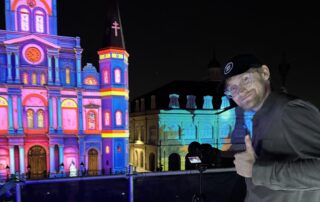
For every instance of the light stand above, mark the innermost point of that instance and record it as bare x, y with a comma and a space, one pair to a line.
199, 197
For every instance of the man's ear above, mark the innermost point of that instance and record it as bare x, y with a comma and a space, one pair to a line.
265, 72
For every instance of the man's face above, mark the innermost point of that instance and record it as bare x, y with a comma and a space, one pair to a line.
249, 89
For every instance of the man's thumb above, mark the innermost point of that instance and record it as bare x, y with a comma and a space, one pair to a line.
248, 142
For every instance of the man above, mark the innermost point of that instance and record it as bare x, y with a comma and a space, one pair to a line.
282, 158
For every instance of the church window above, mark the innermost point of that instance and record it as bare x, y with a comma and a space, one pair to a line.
107, 118
117, 75
34, 79
40, 119
91, 120
25, 78
127, 118
30, 118
43, 79
118, 118
126, 77
39, 21
90, 81
24, 19
67, 75
105, 76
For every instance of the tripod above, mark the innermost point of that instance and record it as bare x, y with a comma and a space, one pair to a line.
199, 197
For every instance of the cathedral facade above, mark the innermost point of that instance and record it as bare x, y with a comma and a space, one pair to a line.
55, 112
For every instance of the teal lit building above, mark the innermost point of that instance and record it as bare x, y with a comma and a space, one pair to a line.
165, 121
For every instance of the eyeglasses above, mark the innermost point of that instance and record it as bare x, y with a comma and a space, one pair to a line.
245, 82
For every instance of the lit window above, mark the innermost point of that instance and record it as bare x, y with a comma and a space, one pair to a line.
90, 81
67, 75
25, 78
40, 119
107, 118
43, 79
106, 76
126, 77
127, 118
119, 148
30, 118
25, 19
117, 75
107, 149
39, 20
118, 118
34, 79
91, 120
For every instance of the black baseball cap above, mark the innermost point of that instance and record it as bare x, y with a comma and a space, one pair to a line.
240, 64
237, 65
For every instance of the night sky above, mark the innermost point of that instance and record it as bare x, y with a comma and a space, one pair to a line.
174, 40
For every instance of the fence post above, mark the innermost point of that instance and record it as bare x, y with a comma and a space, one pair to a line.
18, 192
131, 188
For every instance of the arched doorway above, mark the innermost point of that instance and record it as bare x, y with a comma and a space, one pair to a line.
37, 161
92, 162
151, 162
174, 161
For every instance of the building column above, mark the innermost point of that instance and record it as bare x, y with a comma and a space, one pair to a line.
52, 166
61, 154
17, 79
10, 112
21, 156
51, 129
56, 62
78, 66
9, 79
20, 129
11, 153
81, 149
59, 114
49, 70
80, 112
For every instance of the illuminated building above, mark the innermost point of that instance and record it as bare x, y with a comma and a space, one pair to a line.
53, 110
165, 121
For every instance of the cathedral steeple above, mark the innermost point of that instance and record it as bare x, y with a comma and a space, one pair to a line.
114, 31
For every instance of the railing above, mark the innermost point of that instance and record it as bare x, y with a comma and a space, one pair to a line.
222, 184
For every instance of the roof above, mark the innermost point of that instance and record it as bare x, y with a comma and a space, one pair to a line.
182, 88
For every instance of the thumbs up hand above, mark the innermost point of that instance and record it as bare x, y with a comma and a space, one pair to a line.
244, 161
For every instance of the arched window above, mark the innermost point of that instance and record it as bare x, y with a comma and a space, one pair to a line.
117, 75
105, 76
91, 120
118, 118
39, 21
43, 79
25, 78
127, 118
34, 79
24, 19
90, 81
67, 75
107, 119
126, 77
40, 119
30, 118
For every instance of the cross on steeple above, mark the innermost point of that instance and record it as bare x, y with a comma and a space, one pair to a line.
115, 27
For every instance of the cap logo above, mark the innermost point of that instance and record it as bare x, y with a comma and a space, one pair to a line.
228, 68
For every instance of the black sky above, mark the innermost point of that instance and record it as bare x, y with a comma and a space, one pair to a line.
170, 40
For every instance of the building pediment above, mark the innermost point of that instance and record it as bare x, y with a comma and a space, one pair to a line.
30, 37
